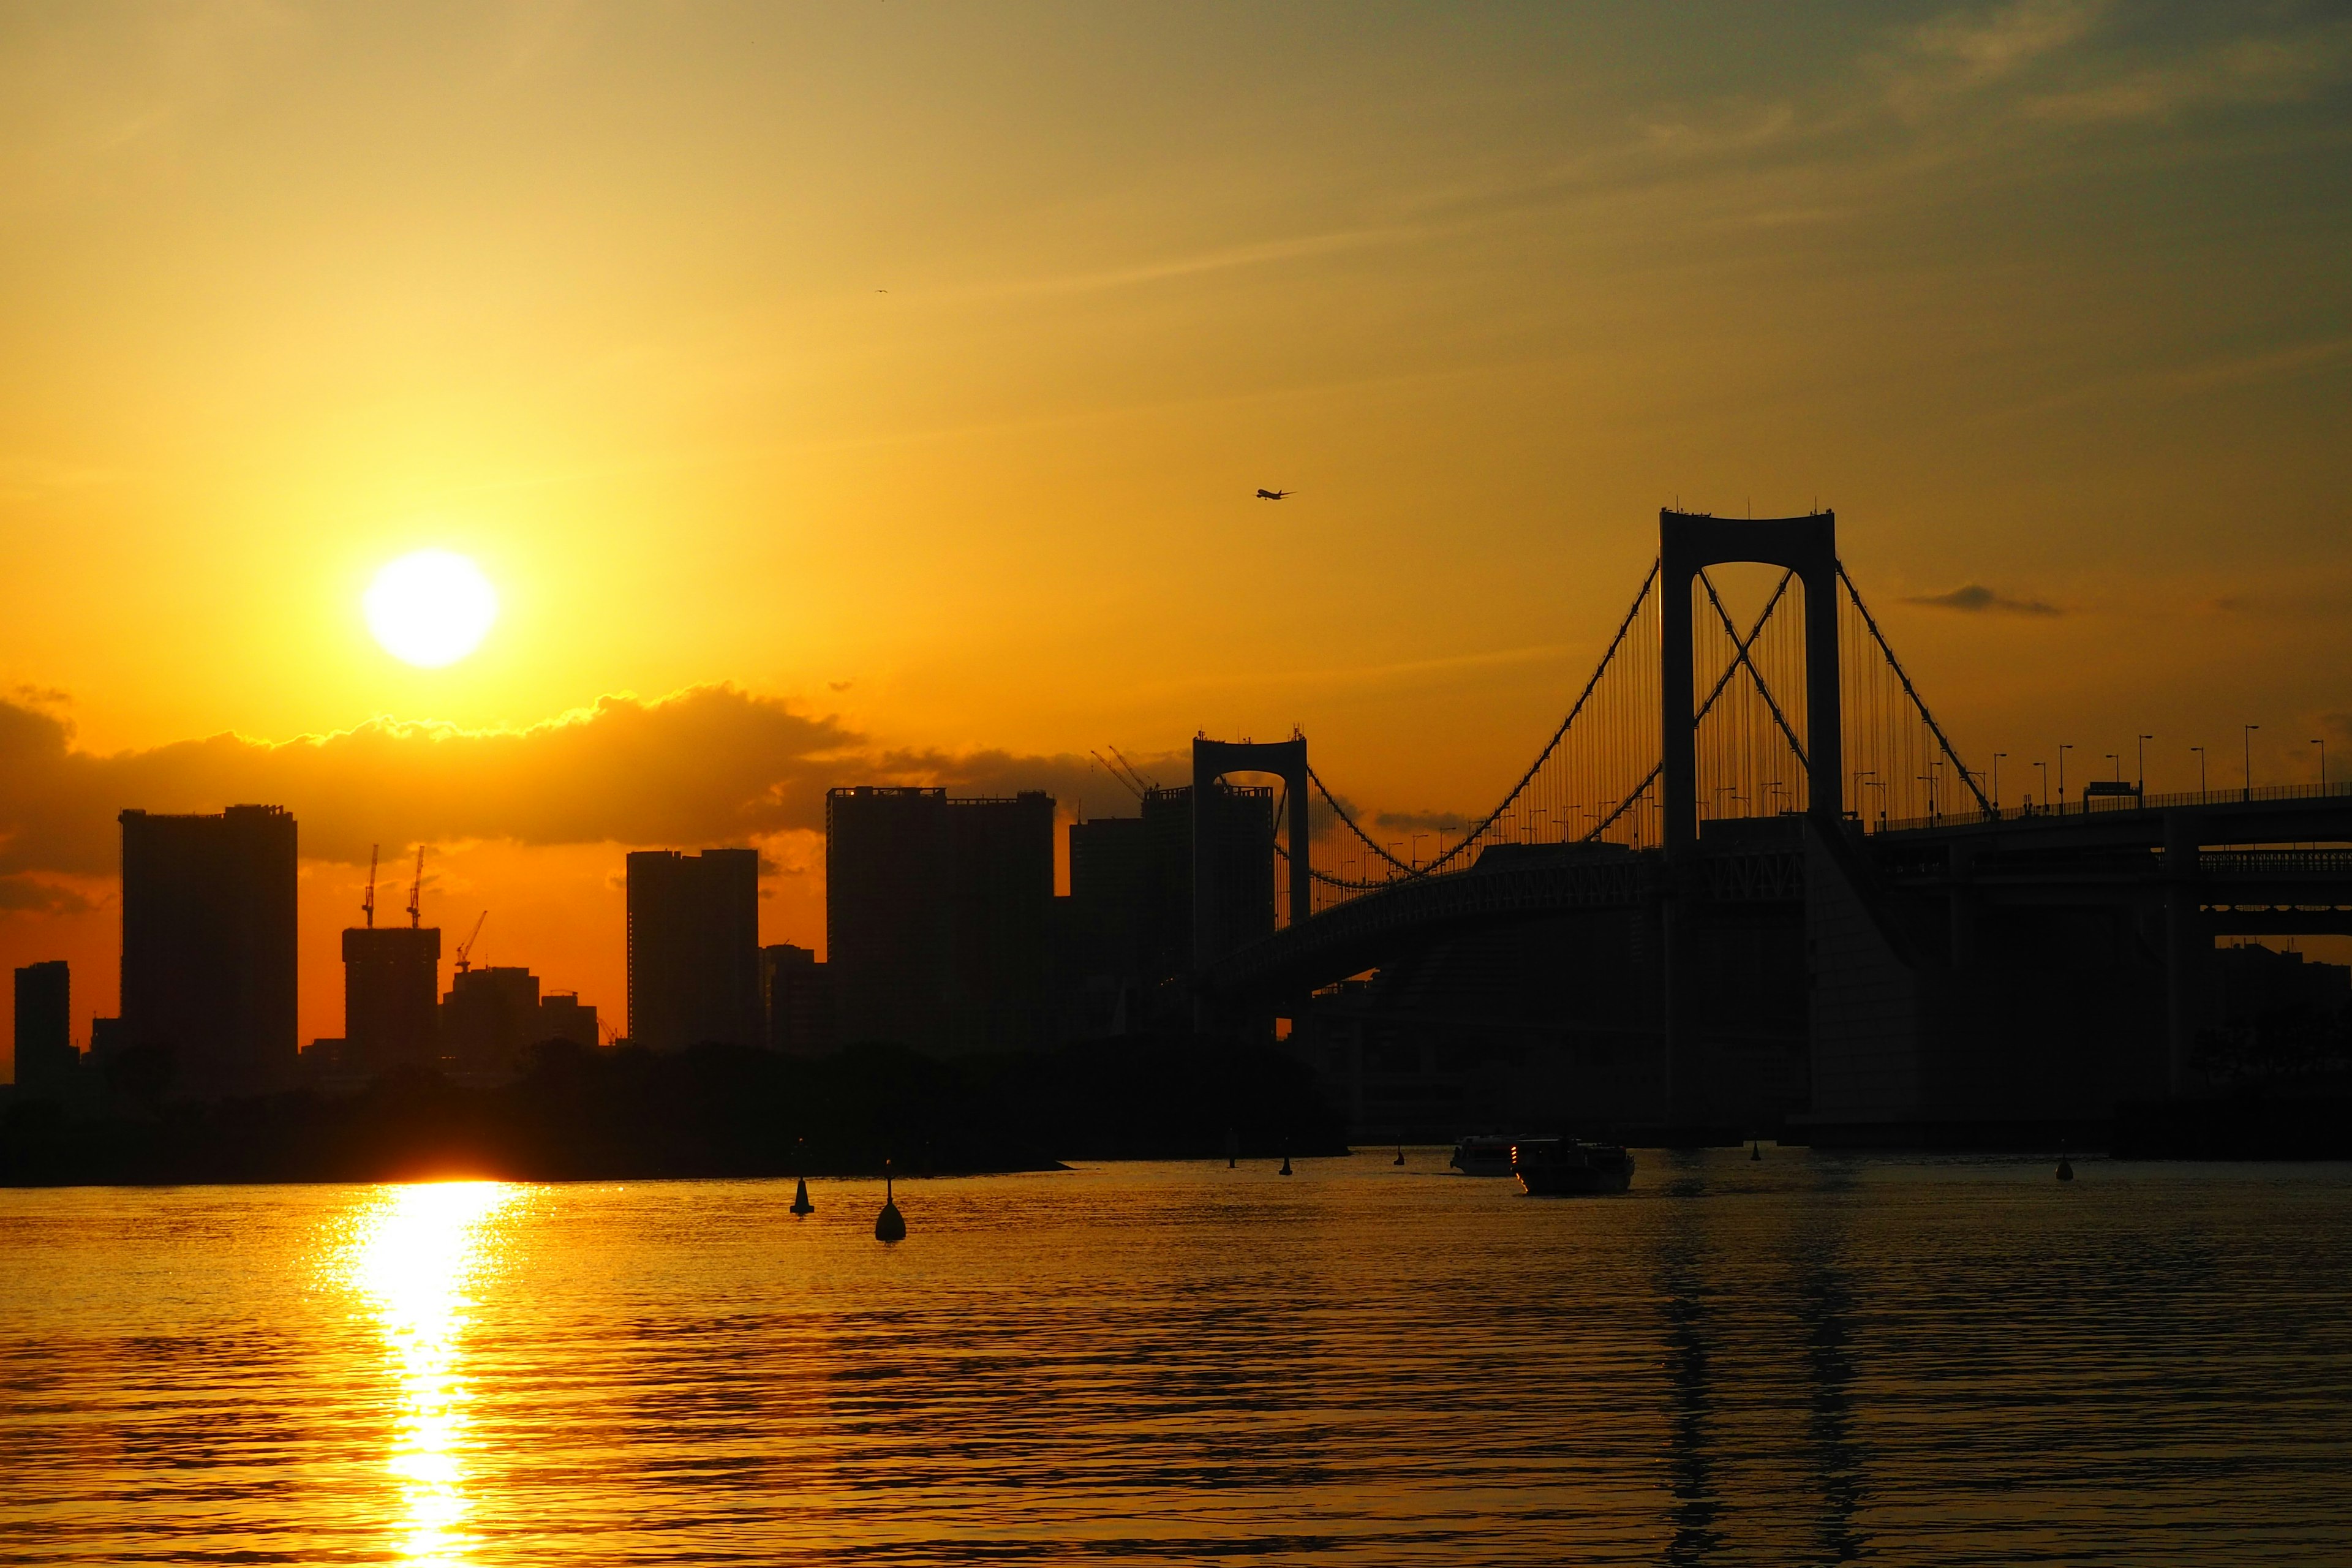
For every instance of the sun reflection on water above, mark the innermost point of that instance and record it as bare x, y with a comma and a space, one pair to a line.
414, 1261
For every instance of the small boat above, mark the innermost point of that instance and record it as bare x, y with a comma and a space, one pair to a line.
1483, 1154
1568, 1167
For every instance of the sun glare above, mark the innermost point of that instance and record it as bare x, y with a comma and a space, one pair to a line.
430, 608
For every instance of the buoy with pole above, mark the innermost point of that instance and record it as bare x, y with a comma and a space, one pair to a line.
2066, 1169
889, 1224
1757, 1151
800, 1203
1286, 1166
1399, 1159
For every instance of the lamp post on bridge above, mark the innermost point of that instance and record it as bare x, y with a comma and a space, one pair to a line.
2200, 773
2246, 740
2143, 740
1996, 784
2120, 766
2046, 784
2322, 765
2064, 747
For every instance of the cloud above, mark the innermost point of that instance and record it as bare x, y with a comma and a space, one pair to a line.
711, 764
1974, 597
30, 893
1424, 821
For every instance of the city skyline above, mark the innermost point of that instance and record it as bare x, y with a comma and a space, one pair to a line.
947, 491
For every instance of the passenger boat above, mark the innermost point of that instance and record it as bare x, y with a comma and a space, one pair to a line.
1483, 1154
1568, 1167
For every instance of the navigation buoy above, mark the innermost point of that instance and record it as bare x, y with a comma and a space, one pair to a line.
2066, 1169
1286, 1165
1757, 1151
1399, 1159
800, 1198
1232, 1146
889, 1224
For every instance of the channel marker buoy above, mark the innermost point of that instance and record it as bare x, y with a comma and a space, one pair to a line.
1757, 1151
1399, 1159
2066, 1169
889, 1224
1286, 1166
800, 1198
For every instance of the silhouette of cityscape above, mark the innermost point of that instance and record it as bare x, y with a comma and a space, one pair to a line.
1699, 942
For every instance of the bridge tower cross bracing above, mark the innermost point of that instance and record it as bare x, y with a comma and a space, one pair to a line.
1688, 545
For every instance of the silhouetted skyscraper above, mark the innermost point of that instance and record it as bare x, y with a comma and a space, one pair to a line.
800, 1000
46, 1058
487, 1018
208, 945
938, 915
392, 983
694, 948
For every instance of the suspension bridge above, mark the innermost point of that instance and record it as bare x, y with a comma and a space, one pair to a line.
1764, 890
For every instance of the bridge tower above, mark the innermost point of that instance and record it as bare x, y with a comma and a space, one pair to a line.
1688, 544
1212, 760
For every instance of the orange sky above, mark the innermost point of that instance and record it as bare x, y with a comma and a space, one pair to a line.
2045, 297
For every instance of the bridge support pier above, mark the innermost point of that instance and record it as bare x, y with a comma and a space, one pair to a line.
2184, 935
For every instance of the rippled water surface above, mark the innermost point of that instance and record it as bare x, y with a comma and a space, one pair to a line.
1803, 1360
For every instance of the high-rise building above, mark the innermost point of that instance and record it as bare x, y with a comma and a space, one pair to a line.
1128, 929
489, 1017
694, 948
1000, 911
938, 915
209, 946
563, 1016
885, 913
46, 1058
392, 982
800, 1000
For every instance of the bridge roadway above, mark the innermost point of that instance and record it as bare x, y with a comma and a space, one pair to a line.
2250, 885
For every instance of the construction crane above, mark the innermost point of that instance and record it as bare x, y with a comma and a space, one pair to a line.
465, 948
367, 905
1134, 780
416, 889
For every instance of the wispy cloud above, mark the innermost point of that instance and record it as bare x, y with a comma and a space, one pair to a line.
1975, 598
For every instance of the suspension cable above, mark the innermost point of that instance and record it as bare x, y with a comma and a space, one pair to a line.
1912, 692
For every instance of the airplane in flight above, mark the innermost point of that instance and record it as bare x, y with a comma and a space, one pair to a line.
1272, 495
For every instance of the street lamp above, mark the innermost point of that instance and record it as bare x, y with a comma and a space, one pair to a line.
2119, 766
2046, 784
2065, 747
2246, 738
2322, 765
1995, 782
2143, 740
2200, 773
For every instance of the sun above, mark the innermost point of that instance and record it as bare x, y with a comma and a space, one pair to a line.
430, 608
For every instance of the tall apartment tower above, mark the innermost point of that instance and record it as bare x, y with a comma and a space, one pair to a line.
694, 948
938, 917
208, 945
392, 982
46, 1058
801, 1019
886, 909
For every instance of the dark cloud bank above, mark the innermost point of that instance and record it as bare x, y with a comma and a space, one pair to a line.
710, 764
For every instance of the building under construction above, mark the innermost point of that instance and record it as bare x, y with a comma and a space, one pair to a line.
392, 983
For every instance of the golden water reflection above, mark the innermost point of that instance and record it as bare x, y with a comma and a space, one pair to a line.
415, 1260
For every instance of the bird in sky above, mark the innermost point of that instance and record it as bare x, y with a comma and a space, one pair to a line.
1271, 495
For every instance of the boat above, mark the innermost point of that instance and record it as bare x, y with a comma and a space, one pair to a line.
1569, 1167
1483, 1154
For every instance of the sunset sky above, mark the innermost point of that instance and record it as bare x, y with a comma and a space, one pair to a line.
879, 391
